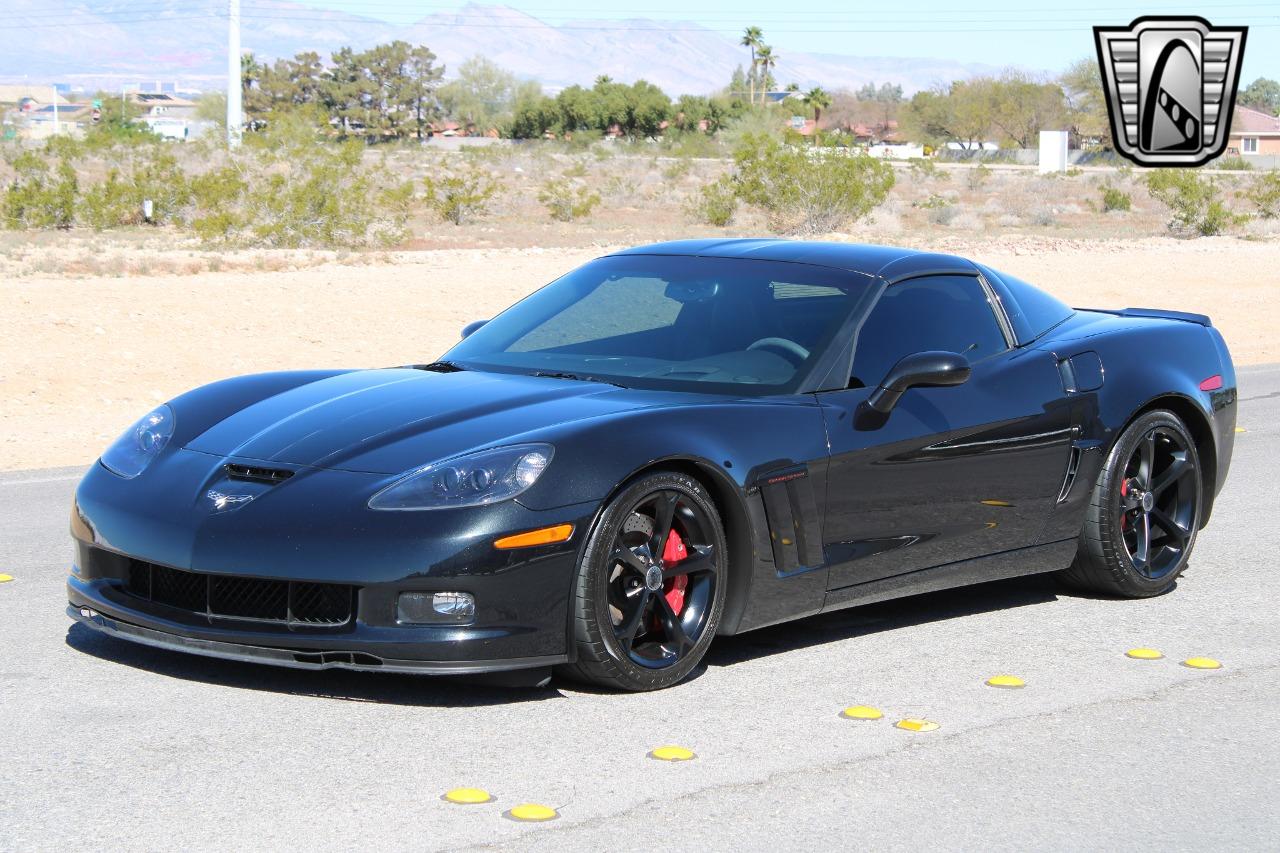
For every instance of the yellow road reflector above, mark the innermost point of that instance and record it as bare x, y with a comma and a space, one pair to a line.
531, 812
1009, 682
1143, 654
673, 753
1241, 429
996, 503
861, 712
541, 536
1202, 663
5, 578
467, 796
916, 725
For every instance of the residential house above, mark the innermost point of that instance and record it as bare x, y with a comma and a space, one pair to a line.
1253, 132
39, 122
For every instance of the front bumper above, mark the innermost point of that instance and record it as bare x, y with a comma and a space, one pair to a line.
316, 530
295, 658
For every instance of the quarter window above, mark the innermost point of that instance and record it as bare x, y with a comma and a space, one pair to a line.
946, 312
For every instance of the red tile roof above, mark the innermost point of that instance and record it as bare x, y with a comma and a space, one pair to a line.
1249, 120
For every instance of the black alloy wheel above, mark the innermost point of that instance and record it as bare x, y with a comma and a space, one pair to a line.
1159, 497
650, 592
1145, 509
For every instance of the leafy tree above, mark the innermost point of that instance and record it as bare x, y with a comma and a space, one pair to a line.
482, 94
532, 112
1021, 107
1086, 106
1262, 94
886, 93
960, 113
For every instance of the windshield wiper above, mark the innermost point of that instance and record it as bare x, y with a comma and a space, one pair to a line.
555, 374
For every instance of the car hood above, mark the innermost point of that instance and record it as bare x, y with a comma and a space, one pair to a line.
388, 421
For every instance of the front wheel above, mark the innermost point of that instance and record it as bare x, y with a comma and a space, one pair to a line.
1141, 523
651, 587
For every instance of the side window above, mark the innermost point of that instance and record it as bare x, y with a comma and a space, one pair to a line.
945, 312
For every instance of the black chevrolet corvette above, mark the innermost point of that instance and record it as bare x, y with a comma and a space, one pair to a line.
668, 443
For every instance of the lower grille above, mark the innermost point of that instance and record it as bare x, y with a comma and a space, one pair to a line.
237, 597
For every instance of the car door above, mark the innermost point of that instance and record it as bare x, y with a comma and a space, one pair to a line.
951, 473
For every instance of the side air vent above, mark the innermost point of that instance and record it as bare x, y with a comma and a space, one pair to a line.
792, 516
1073, 465
257, 474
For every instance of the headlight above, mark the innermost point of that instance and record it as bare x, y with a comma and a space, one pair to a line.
476, 479
142, 442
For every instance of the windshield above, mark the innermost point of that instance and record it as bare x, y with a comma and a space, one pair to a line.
720, 325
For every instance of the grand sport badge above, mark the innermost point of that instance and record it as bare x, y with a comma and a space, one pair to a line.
1171, 86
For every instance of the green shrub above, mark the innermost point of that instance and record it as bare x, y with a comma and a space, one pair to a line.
676, 169
152, 174
1234, 163
1265, 195
40, 196
923, 168
715, 203
809, 192
978, 176
461, 196
290, 188
566, 200
1192, 200
1115, 199
934, 201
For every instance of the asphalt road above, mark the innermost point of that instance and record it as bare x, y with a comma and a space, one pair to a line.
105, 744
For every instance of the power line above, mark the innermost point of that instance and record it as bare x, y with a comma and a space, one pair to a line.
489, 25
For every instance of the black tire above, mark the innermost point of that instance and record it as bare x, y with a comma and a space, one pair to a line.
1152, 486
611, 592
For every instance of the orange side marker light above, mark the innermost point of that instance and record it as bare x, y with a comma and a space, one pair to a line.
541, 536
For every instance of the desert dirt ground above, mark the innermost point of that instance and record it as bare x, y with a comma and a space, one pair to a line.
81, 357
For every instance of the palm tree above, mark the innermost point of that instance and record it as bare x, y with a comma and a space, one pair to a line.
817, 98
767, 60
752, 37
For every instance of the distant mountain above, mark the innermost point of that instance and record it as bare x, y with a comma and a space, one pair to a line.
108, 44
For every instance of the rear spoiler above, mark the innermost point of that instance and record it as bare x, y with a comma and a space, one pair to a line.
1156, 313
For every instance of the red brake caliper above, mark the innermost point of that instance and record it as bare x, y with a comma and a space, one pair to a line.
673, 553
1124, 490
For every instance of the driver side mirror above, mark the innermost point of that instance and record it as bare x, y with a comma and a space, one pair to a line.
472, 327
922, 368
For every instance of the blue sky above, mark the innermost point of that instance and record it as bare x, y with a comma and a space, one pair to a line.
1035, 34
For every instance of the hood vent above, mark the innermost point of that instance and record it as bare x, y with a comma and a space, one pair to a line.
257, 474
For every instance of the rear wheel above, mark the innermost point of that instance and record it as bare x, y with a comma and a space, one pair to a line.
650, 590
1142, 520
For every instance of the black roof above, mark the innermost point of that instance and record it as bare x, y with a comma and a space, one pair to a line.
888, 262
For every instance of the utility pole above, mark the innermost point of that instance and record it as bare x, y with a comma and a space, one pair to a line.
235, 111
57, 128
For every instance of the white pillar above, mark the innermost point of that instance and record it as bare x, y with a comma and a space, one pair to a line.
1053, 151
235, 107
57, 127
